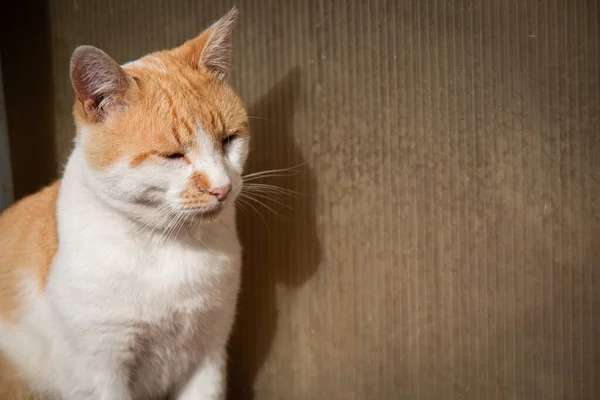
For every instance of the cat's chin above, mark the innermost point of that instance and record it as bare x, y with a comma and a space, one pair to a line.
205, 213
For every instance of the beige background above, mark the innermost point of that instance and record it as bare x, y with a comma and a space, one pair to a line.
448, 244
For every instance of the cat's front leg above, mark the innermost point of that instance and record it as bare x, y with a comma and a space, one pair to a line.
208, 380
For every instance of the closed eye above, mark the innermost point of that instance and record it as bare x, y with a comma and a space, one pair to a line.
228, 140
174, 156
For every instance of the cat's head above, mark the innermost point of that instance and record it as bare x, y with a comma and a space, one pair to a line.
164, 135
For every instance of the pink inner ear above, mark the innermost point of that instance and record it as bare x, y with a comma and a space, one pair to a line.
90, 107
211, 50
216, 55
97, 79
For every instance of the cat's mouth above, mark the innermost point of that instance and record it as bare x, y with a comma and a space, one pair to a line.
205, 212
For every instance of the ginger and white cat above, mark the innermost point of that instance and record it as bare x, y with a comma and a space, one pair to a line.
120, 281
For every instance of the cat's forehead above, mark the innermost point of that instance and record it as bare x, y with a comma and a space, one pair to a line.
160, 81
175, 92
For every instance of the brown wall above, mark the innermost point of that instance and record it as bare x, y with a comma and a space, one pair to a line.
448, 245
26, 51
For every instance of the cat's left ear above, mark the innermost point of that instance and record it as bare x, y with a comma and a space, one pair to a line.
98, 80
211, 50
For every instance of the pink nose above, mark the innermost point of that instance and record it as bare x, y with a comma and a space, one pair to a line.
221, 192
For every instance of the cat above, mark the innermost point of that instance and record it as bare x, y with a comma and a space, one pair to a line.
120, 281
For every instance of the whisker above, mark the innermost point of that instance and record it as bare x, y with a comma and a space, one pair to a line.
178, 222
261, 118
162, 237
162, 214
181, 224
283, 197
272, 188
264, 196
263, 204
273, 175
170, 228
241, 205
241, 199
294, 168
159, 213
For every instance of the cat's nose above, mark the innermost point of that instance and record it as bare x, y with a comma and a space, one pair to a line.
221, 192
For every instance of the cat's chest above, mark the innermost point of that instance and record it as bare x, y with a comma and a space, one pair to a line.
163, 352
170, 297
177, 307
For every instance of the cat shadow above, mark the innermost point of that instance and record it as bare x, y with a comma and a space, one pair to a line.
278, 249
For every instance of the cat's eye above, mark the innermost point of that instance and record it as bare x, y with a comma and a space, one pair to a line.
174, 156
228, 139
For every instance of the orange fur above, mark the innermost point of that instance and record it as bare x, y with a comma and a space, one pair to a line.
27, 247
161, 113
200, 181
196, 194
29, 241
156, 105
168, 98
12, 387
168, 95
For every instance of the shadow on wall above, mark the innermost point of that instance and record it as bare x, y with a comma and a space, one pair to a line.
277, 249
28, 90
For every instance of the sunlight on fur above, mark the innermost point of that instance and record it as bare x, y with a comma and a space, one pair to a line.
120, 281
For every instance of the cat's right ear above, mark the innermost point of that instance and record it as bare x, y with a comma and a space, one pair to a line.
99, 81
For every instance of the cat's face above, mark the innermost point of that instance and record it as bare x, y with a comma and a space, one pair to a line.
165, 135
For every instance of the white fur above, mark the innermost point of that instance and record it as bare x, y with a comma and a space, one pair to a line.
131, 312
150, 61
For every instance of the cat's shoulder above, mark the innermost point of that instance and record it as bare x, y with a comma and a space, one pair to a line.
44, 198
36, 211
28, 242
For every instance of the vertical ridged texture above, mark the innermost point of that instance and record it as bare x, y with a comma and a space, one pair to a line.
447, 242
6, 192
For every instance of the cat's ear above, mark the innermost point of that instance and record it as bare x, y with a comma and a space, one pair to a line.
211, 50
98, 80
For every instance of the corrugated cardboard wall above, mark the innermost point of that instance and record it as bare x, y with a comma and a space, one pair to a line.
447, 240
6, 192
